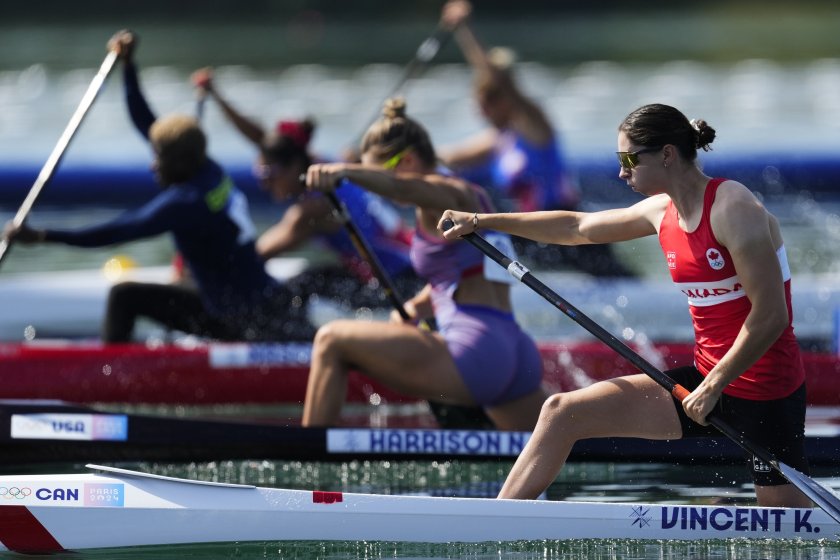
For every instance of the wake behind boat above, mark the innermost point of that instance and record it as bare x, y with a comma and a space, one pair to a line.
121, 508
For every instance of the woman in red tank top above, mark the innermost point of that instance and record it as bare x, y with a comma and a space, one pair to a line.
725, 252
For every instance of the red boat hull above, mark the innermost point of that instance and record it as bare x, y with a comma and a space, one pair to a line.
240, 373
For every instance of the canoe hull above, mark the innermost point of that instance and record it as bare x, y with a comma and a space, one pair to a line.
89, 372
75, 512
41, 433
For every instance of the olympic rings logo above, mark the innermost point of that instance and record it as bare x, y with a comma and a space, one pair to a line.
15, 493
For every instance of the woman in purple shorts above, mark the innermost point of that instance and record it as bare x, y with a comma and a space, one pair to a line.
479, 356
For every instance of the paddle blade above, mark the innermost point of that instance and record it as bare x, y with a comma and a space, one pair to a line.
818, 493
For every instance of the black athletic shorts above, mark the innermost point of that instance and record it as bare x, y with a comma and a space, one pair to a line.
776, 425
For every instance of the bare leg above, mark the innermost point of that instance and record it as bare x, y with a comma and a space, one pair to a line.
405, 358
521, 414
326, 388
632, 406
786, 495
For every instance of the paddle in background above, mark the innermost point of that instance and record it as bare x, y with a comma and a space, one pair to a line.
201, 82
820, 495
427, 51
58, 152
448, 416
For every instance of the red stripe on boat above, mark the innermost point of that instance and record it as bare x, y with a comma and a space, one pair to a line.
319, 497
20, 531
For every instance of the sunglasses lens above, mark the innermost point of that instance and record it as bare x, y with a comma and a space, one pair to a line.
627, 160
393, 162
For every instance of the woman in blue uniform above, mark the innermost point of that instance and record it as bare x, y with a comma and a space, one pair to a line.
234, 298
284, 154
518, 159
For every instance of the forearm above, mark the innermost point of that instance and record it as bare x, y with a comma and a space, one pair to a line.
138, 108
757, 335
424, 191
550, 226
277, 240
247, 127
473, 151
471, 47
84, 238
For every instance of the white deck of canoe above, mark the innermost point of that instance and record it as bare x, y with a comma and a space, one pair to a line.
120, 508
72, 304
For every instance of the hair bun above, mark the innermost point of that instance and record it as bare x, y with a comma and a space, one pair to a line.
705, 134
394, 108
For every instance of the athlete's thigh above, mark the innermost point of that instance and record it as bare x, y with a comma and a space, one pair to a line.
174, 306
407, 358
628, 406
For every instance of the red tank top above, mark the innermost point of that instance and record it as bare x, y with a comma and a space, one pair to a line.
703, 270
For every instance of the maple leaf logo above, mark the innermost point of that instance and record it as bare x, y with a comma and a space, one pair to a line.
715, 259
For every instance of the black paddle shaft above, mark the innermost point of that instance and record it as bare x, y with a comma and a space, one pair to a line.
367, 253
427, 50
815, 491
447, 415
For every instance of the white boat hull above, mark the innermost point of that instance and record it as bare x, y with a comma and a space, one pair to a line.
72, 304
49, 513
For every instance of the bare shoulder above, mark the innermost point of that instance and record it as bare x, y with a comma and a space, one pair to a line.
651, 208
733, 199
737, 214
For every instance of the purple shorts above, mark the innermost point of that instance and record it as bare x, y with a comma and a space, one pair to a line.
497, 360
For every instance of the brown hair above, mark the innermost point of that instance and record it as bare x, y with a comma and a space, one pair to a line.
395, 132
180, 141
658, 125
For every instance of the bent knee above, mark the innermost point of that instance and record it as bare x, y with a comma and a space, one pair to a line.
556, 407
554, 403
331, 334
121, 290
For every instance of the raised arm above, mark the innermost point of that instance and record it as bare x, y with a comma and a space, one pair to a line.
124, 43
250, 129
495, 73
455, 17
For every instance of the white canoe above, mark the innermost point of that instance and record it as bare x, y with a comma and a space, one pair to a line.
71, 304
120, 508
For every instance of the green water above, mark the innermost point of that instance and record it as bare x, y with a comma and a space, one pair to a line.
605, 549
